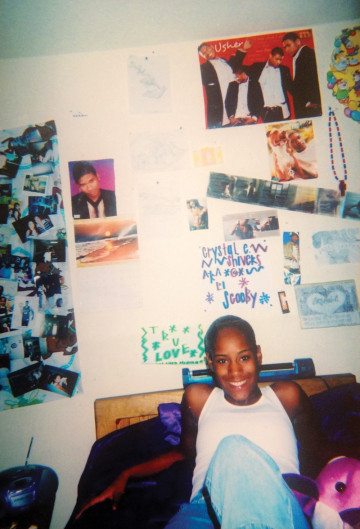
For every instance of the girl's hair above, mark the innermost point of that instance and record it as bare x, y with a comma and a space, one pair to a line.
225, 322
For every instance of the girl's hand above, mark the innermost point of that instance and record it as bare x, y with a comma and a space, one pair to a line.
113, 492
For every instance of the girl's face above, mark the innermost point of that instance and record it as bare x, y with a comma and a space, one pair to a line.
236, 367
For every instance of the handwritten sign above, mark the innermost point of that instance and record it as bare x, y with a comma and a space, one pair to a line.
327, 304
337, 246
173, 344
234, 275
77, 114
159, 151
149, 84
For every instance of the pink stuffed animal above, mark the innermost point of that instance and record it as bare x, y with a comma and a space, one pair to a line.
339, 489
332, 501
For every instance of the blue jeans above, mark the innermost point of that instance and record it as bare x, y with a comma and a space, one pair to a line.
244, 489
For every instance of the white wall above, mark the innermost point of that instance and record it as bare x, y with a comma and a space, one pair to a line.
38, 89
39, 27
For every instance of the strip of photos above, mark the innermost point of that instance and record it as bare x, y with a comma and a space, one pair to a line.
38, 343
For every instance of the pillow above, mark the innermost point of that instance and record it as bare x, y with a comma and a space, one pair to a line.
170, 417
149, 502
338, 410
119, 450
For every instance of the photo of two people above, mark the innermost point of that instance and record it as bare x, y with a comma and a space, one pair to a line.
43, 376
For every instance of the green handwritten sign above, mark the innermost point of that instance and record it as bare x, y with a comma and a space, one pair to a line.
172, 344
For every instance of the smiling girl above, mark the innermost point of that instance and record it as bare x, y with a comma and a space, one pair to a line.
244, 440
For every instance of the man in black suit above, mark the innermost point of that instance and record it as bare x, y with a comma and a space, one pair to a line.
92, 201
269, 85
216, 74
305, 87
239, 104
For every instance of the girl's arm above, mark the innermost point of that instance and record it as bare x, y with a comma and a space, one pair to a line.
115, 490
185, 450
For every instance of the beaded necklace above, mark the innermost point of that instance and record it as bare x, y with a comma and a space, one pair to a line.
342, 183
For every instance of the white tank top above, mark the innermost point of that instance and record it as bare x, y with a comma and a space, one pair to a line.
265, 423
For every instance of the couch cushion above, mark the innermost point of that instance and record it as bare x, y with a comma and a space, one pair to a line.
338, 410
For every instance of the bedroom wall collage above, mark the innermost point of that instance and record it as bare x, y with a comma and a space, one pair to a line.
254, 218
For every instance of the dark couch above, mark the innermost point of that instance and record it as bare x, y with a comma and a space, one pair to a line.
149, 503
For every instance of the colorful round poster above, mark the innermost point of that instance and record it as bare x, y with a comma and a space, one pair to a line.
343, 78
